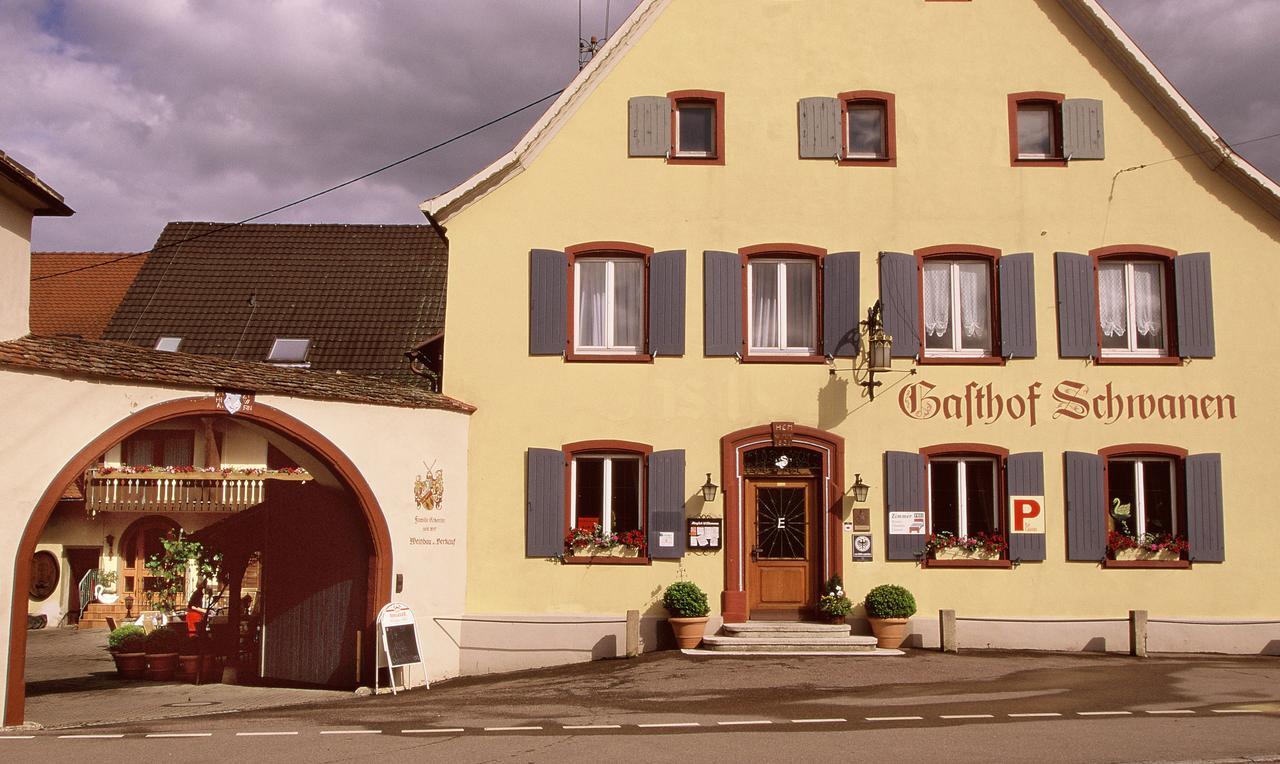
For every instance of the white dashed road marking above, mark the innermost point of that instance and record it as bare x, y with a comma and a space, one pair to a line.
90, 737
895, 718
179, 734
434, 730
1235, 711
744, 723
1173, 711
1104, 713
1034, 716
818, 721
16, 737
510, 729
350, 732
967, 716
263, 734
670, 724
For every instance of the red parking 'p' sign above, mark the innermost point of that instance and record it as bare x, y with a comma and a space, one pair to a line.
1026, 514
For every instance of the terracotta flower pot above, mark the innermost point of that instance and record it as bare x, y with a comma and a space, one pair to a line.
188, 668
688, 631
890, 632
160, 666
130, 665
210, 668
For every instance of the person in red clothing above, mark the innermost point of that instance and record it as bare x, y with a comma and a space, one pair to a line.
197, 611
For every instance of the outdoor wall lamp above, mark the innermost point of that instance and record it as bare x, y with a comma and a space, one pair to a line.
859, 488
878, 355
709, 490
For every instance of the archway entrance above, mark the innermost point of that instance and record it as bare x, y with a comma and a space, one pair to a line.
783, 511
366, 516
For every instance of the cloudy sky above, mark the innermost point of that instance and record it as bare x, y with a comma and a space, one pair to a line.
145, 111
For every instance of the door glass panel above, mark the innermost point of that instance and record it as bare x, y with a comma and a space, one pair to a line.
781, 530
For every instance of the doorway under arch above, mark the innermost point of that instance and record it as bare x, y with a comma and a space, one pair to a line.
378, 589
820, 485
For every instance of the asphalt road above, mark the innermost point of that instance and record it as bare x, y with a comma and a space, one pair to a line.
981, 706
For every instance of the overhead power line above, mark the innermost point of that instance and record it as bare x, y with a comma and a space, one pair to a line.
309, 197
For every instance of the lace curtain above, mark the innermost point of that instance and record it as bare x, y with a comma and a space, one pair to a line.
1113, 308
975, 299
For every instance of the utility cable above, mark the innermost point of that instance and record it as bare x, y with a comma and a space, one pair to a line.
309, 197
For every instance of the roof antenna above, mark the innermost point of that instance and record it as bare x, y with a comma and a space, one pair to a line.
587, 49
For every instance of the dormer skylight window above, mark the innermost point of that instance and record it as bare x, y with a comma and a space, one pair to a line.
168, 344
289, 351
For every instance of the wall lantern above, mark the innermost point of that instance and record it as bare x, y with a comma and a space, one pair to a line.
859, 488
878, 353
709, 490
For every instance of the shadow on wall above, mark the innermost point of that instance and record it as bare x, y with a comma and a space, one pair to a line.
1271, 648
1095, 645
605, 647
833, 403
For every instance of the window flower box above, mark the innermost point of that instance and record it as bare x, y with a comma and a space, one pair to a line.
592, 550
980, 546
1145, 554
960, 553
593, 543
1147, 546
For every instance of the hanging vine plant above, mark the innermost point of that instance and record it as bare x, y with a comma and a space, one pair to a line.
169, 569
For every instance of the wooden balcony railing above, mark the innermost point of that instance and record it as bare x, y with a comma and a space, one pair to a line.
108, 490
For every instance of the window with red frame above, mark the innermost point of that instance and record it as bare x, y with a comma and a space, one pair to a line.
606, 492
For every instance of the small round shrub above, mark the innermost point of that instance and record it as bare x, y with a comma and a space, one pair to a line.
163, 640
890, 601
126, 639
685, 600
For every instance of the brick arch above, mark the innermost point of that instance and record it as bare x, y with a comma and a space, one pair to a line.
733, 598
379, 585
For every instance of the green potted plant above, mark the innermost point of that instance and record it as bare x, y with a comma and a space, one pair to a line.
889, 609
162, 653
125, 643
833, 604
688, 606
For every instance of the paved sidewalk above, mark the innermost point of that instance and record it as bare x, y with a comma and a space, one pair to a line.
71, 681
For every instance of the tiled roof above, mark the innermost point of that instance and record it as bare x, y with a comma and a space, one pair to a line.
363, 294
80, 302
98, 359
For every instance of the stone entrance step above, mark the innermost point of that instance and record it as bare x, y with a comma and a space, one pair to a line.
788, 637
95, 616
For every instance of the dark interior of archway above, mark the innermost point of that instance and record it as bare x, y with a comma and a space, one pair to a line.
315, 551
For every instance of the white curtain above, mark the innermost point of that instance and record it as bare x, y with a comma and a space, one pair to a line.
764, 305
591, 304
937, 298
628, 303
1147, 282
975, 301
1112, 308
801, 332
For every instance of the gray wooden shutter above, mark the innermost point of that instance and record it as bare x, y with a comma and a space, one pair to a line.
1025, 477
840, 304
666, 503
666, 303
820, 120
1086, 507
649, 126
900, 302
1082, 134
1077, 306
1194, 289
722, 303
904, 491
1204, 508
1018, 306
548, 302
544, 489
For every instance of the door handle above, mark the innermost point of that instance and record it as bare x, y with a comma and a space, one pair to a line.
755, 553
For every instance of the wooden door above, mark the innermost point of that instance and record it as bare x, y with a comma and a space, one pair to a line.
141, 540
784, 548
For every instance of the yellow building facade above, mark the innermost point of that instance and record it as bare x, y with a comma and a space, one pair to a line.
659, 282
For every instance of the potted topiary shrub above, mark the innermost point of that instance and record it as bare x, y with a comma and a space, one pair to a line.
688, 606
125, 643
889, 609
162, 653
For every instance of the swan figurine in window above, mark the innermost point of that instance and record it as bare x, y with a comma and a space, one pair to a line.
105, 597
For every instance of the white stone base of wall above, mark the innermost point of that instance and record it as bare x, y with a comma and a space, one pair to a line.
509, 642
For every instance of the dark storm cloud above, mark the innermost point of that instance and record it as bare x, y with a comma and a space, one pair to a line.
143, 111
